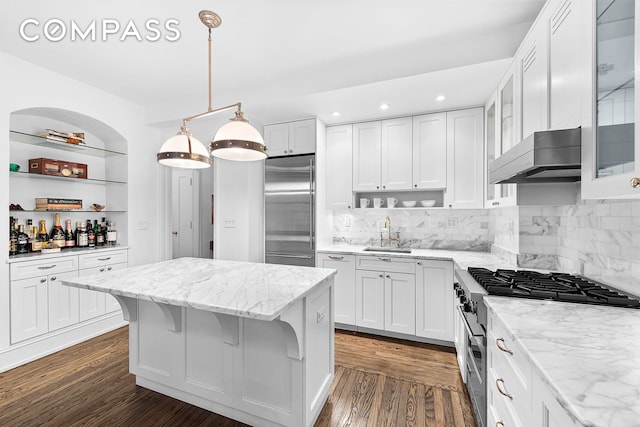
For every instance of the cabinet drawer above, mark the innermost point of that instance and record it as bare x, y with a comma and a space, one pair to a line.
43, 267
103, 258
499, 408
385, 263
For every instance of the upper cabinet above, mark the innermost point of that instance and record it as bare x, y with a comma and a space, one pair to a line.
610, 149
531, 62
430, 151
465, 154
367, 156
286, 139
338, 174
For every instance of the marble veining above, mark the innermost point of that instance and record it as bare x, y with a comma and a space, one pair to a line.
588, 355
257, 291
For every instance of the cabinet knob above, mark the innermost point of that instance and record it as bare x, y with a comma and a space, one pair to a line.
43, 280
384, 186
108, 268
380, 275
102, 269
53, 278
388, 277
285, 151
419, 263
348, 207
377, 187
290, 151
415, 185
635, 182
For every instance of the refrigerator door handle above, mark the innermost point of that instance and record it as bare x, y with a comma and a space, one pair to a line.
311, 216
289, 256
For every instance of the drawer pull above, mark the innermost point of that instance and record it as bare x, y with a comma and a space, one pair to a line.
104, 259
46, 267
502, 392
384, 259
499, 424
502, 347
43, 280
337, 258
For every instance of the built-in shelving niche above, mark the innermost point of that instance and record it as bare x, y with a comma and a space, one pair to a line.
416, 195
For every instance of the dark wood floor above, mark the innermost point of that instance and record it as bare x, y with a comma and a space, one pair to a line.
378, 382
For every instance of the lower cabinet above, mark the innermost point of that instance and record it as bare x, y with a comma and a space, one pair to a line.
344, 285
402, 295
39, 303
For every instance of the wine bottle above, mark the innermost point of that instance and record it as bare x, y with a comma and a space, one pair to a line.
23, 241
91, 235
69, 238
82, 237
13, 237
35, 244
112, 234
57, 233
43, 236
98, 232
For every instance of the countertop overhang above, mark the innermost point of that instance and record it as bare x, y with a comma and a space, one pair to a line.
244, 289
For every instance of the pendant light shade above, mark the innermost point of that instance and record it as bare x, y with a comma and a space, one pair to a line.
239, 141
184, 151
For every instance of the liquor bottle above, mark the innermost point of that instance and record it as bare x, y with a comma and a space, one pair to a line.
112, 234
98, 232
43, 236
57, 233
35, 244
91, 235
23, 241
30, 235
69, 238
13, 237
82, 237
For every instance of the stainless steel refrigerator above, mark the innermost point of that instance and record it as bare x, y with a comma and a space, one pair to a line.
289, 210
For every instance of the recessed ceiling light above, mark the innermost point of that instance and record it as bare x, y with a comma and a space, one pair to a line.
335, 113
440, 98
384, 106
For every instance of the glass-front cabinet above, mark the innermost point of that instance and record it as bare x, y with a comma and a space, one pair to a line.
611, 148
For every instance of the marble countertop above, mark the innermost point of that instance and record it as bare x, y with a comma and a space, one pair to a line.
588, 355
463, 259
257, 291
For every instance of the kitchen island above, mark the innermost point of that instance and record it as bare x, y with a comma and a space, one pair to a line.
253, 342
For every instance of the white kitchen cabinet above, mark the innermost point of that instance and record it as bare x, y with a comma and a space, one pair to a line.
397, 153
62, 301
285, 139
434, 293
367, 156
549, 411
29, 311
339, 167
610, 144
508, 109
344, 285
496, 195
430, 151
399, 303
459, 338
370, 299
92, 303
564, 26
465, 154
531, 60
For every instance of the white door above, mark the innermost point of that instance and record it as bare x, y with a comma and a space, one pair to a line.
28, 308
183, 213
434, 296
339, 166
370, 299
110, 303
276, 138
344, 286
400, 303
302, 137
63, 301
366, 156
430, 151
397, 153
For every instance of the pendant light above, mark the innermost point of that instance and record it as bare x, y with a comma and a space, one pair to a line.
236, 140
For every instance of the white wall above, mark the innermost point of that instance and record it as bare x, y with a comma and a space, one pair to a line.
24, 85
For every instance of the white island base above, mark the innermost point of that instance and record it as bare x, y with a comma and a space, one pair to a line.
263, 373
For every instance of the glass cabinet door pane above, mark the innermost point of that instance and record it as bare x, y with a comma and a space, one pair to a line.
491, 146
615, 87
506, 104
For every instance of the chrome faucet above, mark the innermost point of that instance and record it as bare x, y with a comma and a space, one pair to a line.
387, 226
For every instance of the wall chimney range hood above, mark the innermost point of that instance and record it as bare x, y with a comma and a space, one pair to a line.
546, 156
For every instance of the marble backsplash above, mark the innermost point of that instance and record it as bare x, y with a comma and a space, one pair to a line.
468, 229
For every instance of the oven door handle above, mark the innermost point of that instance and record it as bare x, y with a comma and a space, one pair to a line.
466, 324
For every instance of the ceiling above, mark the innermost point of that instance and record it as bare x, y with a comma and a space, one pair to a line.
283, 59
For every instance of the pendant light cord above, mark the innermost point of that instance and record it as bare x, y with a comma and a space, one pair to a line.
210, 85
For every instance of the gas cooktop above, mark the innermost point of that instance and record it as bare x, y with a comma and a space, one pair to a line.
553, 286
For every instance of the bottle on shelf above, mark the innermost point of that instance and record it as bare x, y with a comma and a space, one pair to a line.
91, 236
69, 238
112, 234
82, 237
30, 234
43, 236
35, 244
23, 241
13, 237
57, 233
98, 232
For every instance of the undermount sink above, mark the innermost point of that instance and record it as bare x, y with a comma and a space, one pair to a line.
385, 249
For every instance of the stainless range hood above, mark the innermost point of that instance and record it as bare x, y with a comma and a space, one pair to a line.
546, 156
